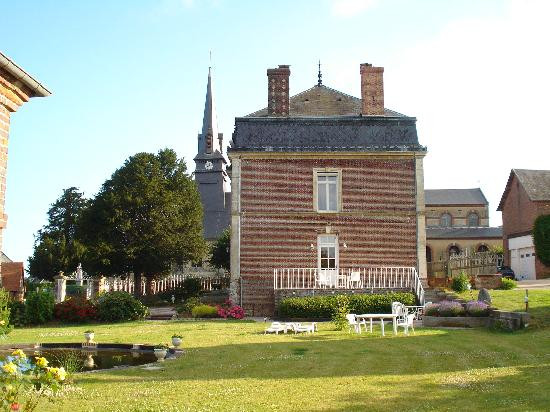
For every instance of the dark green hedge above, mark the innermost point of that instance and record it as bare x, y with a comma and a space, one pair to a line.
325, 306
541, 238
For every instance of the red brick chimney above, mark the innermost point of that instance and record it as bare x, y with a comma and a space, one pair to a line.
277, 90
372, 90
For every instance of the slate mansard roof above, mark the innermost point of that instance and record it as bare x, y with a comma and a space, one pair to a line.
444, 197
322, 119
535, 182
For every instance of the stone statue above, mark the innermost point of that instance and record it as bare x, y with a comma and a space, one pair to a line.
484, 296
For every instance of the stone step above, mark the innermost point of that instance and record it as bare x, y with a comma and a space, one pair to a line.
161, 313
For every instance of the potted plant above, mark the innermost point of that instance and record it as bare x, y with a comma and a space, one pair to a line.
89, 336
176, 340
160, 351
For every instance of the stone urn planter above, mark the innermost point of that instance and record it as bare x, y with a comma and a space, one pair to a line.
89, 336
160, 353
176, 341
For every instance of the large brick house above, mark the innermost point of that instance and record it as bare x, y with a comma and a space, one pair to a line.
457, 220
326, 181
16, 88
526, 196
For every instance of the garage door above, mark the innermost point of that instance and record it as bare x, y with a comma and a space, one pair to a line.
527, 262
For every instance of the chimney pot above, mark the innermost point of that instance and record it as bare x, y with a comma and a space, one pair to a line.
277, 90
372, 90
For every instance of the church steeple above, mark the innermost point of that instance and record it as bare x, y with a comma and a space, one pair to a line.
209, 139
210, 170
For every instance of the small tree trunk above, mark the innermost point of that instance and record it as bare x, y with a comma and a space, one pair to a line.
137, 284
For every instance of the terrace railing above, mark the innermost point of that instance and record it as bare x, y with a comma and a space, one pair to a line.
370, 277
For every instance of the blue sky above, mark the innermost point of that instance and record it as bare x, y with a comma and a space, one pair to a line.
130, 76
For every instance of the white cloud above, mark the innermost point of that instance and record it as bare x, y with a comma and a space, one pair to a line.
479, 90
350, 8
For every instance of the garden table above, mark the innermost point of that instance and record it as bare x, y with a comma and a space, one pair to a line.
381, 316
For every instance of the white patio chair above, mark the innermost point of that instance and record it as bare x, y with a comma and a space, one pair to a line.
353, 323
323, 279
355, 280
275, 328
405, 320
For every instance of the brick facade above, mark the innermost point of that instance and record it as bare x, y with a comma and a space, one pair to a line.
518, 216
12, 279
16, 88
278, 222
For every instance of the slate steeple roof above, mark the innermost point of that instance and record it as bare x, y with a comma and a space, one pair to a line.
210, 126
209, 120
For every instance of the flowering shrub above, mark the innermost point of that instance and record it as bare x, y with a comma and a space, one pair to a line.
476, 308
229, 310
75, 310
432, 310
450, 308
22, 375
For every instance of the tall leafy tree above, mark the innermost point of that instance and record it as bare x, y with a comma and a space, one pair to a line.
56, 246
221, 251
541, 238
146, 217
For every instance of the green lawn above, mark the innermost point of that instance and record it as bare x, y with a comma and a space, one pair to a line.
234, 366
539, 303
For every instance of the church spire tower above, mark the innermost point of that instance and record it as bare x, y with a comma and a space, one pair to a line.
211, 140
210, 169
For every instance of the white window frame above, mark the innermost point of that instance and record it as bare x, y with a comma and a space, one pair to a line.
327, 172
332, 243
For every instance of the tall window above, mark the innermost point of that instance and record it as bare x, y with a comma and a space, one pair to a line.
328, 246
445, 220
428, 254
327, 191
473, 220
208, 143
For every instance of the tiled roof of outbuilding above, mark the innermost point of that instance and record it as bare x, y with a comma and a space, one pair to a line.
535, 182
322, 101
454, 197
463, 232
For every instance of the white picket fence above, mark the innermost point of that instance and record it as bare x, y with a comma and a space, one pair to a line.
170, 282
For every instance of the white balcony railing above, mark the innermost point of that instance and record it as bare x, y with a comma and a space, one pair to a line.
375, 277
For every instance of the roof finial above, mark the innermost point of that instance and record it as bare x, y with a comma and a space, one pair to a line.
319, 76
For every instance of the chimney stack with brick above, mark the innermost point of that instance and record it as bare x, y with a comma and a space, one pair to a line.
277, 93
372, 90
